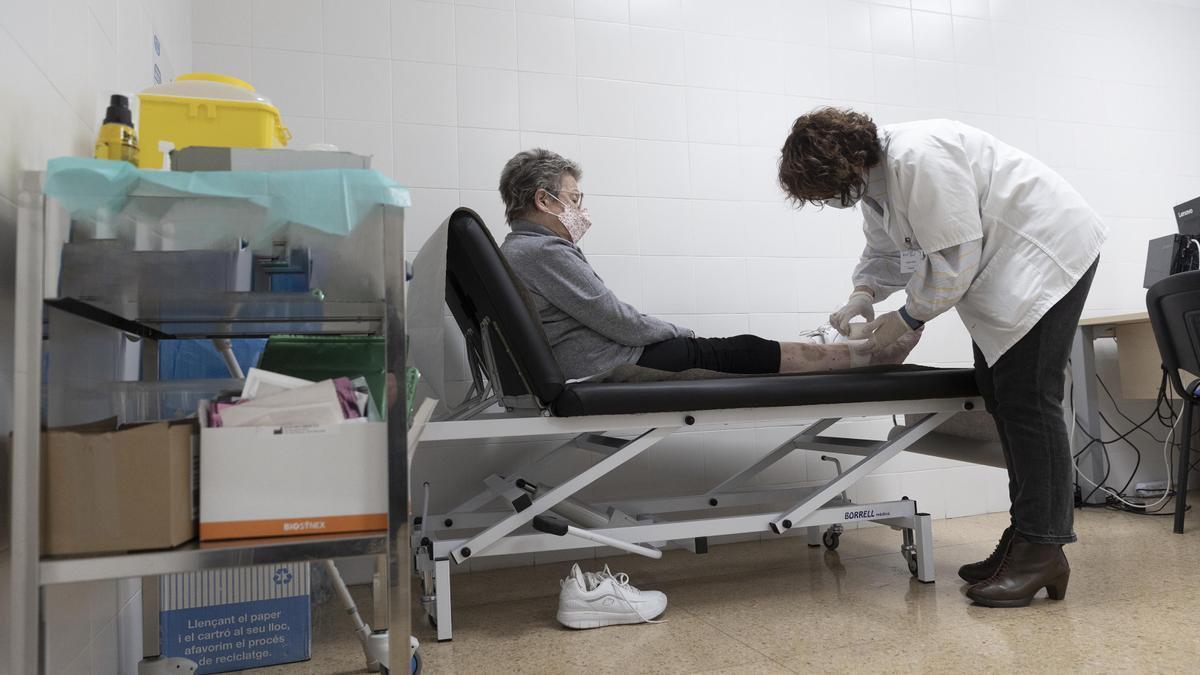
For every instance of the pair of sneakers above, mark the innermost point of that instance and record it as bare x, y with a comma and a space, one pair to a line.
596, 599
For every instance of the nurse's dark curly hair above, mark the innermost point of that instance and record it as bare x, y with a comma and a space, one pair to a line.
826, 155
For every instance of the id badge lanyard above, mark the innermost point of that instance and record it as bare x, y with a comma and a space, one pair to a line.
910, 257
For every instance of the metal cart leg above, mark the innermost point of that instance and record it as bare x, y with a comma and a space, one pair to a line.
25, 618
399, 609
150, 606
441, 580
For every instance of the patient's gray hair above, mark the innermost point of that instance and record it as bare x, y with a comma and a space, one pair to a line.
528, 172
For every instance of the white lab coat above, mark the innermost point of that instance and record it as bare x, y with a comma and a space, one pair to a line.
949, 184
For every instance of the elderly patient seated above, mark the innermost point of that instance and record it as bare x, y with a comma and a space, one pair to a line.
590, 330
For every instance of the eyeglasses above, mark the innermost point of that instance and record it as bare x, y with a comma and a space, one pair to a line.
575, 197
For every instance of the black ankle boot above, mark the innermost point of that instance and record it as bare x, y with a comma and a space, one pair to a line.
984, 569
1026, 569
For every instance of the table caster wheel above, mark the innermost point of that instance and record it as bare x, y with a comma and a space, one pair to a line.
831, 539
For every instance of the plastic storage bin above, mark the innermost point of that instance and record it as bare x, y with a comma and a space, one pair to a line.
168, 400
206, 109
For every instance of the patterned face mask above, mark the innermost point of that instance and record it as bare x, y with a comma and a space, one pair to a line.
576, 220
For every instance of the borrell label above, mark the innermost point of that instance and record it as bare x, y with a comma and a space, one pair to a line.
865, 514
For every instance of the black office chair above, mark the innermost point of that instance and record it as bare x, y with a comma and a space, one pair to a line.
1174, 306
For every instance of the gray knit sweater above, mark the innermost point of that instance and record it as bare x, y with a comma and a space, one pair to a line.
590, 330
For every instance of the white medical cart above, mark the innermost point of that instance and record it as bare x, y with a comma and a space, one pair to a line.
145, 312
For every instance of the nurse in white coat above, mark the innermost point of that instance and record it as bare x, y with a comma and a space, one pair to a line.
956, 218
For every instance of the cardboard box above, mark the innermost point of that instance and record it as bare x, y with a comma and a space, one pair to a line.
105, 489
237, 618
285, 481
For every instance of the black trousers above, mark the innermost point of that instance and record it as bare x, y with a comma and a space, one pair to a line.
1024, 393
746, 354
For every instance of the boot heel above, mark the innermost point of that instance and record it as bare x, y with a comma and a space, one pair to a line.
1057, 589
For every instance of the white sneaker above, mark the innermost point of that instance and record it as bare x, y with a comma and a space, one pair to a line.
824, 335
592, 600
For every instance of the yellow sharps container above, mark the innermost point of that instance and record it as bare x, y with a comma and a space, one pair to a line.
206, 109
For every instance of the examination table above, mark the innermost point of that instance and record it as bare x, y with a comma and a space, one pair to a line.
520, 392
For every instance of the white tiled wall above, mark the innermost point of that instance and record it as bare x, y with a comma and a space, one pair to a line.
676, 110
60, 60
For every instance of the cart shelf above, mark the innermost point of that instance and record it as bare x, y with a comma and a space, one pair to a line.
230, 314
194, 556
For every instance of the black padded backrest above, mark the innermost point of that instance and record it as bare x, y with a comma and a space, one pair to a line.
1174, 307
480, 286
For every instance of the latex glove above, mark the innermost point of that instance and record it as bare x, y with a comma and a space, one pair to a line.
862, 353
860, 303
887, 330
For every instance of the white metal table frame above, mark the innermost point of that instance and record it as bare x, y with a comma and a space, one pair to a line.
42, 228
437, 542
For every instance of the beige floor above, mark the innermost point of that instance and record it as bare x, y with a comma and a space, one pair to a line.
781, 607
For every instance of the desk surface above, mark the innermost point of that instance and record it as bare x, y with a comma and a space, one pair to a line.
1115, 319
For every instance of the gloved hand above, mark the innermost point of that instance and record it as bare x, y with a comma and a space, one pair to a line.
886, 330
860, 303
862, 353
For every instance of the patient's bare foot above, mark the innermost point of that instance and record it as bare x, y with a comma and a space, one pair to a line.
892, 354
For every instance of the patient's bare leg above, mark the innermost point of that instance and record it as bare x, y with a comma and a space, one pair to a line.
804, 357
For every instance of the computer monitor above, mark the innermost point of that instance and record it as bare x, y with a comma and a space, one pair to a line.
1176, 253
1187, 216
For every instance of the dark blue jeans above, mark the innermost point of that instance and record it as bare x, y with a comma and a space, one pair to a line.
1024, 393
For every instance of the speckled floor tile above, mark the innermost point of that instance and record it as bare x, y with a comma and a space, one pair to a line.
524, 636
764, 667
778, 606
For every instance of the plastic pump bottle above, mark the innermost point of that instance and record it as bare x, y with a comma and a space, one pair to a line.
117, 140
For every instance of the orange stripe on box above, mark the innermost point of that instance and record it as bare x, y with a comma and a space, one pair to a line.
287, 527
